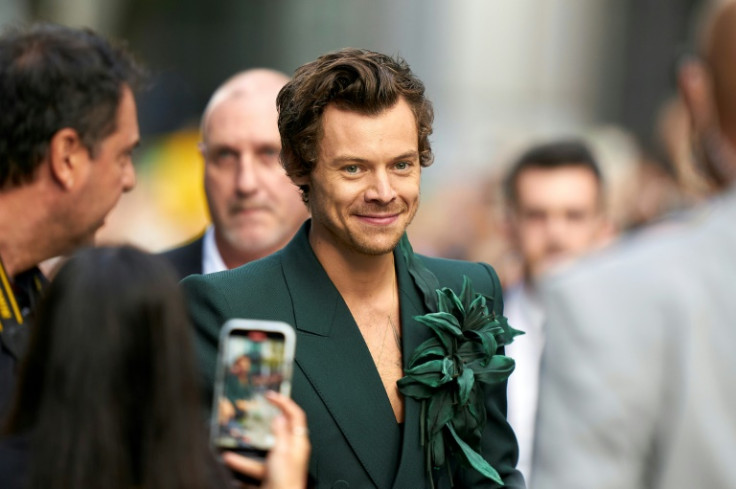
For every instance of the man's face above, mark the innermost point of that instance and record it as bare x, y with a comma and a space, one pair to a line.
105, 177
364, 189
255, 207
557, 216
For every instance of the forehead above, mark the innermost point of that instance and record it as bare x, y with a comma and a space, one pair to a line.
566, 186
347, 133
242, 116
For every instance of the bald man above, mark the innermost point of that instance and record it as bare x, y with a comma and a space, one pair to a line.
637, 387
254, 206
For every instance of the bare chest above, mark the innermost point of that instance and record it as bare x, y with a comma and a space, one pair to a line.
382, 334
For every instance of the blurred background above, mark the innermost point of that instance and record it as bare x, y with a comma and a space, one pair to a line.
502, 74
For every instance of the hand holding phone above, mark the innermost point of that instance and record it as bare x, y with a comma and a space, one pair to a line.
287, 462
255, 357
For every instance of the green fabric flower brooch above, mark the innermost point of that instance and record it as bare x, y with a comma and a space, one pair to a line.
446, 372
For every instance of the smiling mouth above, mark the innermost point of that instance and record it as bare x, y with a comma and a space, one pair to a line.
379, 219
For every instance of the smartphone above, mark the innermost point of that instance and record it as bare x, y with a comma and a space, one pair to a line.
254, 356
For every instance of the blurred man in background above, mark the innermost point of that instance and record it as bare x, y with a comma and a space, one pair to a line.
255, 208
637, 385
68, 127
555, 199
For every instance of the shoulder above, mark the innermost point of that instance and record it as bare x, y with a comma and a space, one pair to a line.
262, 272
187, 258
450, 272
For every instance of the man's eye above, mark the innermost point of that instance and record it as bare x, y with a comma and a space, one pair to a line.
535, 216
352, 169
269, 156
269, 152
402, 165
224, 156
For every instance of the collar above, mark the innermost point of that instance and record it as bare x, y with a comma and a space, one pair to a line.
523, 306
310, 285
211, 258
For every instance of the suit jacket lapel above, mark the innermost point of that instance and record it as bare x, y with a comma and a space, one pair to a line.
412, 465
334, 357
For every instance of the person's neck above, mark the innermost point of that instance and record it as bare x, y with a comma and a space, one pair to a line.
233, 257
21, 248
529, 283
355, 275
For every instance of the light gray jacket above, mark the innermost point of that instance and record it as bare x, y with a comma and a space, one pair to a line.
638, 379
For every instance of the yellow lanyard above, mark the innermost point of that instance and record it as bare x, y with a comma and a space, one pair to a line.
8, 304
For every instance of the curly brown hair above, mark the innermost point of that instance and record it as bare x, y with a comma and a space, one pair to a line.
353, 79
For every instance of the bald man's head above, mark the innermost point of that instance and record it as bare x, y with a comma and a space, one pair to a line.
255, 208
258, 83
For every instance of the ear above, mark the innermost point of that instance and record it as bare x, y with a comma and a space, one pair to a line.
302, 182
696, 89
67, 154
714, 151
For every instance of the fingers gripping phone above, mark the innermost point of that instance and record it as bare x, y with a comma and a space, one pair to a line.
254, 356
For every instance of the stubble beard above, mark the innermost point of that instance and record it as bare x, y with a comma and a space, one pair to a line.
362, 243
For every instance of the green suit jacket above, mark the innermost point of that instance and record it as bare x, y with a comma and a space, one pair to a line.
356, 442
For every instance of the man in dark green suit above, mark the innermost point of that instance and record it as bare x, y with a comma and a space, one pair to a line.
354, 126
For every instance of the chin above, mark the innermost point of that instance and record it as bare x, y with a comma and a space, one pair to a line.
373, 248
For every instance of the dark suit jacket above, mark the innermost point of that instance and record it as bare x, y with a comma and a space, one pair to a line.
186, 259
356, 442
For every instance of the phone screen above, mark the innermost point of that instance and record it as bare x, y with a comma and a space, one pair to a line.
253, 361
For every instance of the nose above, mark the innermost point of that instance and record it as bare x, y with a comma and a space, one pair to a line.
381, 188
129, 177
247, 178
557, 229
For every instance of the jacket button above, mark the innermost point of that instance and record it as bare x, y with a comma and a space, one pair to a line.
340, 485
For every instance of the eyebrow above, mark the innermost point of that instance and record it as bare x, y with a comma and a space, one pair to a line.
356, 159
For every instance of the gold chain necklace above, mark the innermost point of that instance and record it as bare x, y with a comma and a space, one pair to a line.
394, 330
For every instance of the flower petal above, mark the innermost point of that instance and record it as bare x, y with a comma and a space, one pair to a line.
497, 370
444, 325
465, 384
414, 389
432, 372
431, 348
440, 411
475, 459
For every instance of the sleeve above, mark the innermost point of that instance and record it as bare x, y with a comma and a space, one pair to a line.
208, 310
499, 446
600, 384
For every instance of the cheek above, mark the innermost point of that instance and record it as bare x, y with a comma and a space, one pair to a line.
218, 183
217, 196
278, 183
583, 239
532, 240
408, 187
336, 195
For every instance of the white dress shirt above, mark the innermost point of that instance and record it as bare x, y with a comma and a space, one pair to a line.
524, 311
211, 259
